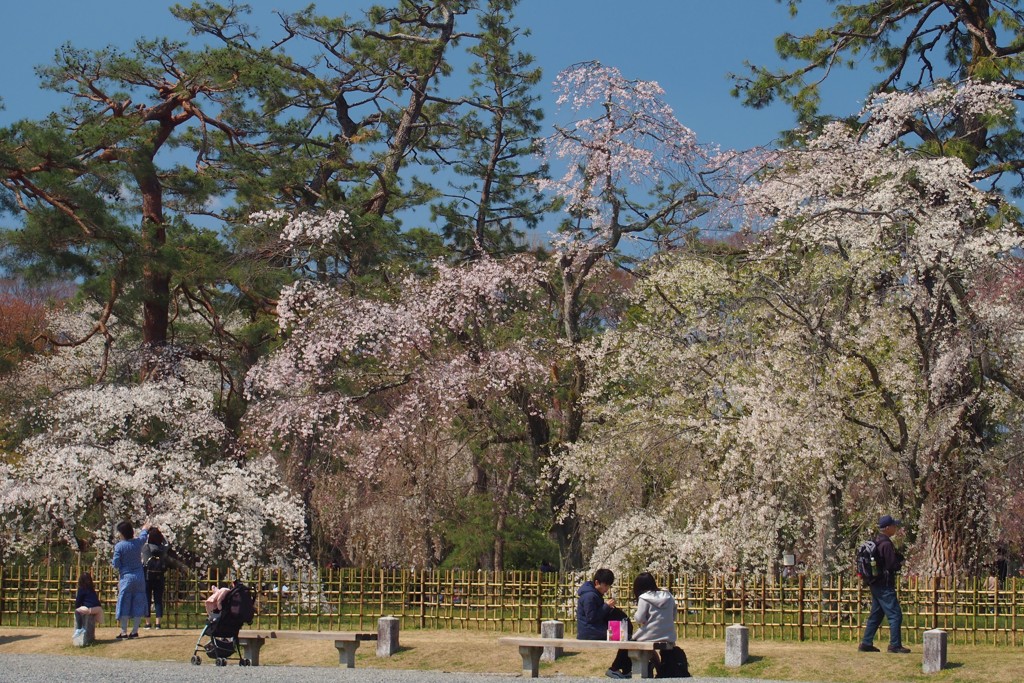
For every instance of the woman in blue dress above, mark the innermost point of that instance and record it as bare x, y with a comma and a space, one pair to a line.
131, 587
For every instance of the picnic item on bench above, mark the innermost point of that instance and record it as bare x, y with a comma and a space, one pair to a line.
618, 630
223, 624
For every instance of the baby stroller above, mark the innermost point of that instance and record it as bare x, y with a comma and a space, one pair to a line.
222, 627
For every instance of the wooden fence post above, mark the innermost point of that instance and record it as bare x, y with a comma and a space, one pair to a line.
743, 599
280, 593
722, 596
1013, 609
540, 601
380, 612
800, 608
423, 599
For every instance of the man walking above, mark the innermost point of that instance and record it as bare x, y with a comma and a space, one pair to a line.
883, 592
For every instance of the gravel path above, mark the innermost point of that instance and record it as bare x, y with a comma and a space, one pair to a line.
57, 668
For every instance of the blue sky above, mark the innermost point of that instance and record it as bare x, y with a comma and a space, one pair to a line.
687, 46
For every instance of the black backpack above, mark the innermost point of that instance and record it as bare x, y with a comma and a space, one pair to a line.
870, 567
673, 664
156, 565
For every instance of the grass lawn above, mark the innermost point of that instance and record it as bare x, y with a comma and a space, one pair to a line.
478, 651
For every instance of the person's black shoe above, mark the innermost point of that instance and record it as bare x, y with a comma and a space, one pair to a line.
612, 673
133, 634
898, 649
867, 648
122, 636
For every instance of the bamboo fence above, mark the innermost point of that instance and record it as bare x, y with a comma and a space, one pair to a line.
972, 611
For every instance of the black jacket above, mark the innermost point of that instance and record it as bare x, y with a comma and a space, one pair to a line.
892, 560
592, 613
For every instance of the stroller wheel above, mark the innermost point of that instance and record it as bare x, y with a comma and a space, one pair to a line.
221, 661
196, 660
244, 662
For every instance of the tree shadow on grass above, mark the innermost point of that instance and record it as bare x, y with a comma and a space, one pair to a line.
13, 639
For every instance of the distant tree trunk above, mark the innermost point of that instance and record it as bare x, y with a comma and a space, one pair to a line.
501, 512
156, 291
499, 540
479, 487
828, 535
567, 535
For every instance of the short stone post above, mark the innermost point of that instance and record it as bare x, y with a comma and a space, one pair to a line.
552, 629
934, 651
87, 634
387, 636
737, 639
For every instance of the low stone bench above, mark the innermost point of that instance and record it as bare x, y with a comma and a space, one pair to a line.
530, 650
88, 633
251, 640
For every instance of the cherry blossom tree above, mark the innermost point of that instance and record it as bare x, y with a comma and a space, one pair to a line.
917, 239
631, 171
97, 453
712, 444
400, 395
915, 46
856, 360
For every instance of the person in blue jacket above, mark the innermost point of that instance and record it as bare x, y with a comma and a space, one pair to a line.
131, 585
593, 612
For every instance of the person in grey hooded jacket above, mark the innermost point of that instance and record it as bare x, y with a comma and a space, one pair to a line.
655, 611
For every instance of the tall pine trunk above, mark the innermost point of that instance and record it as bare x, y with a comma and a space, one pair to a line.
156, 291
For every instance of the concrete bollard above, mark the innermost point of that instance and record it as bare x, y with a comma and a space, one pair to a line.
934, 651
86, 633
552, 629
737, 643
387, 636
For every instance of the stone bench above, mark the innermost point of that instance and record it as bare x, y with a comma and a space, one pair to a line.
251, 640
530, 650
87, 634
